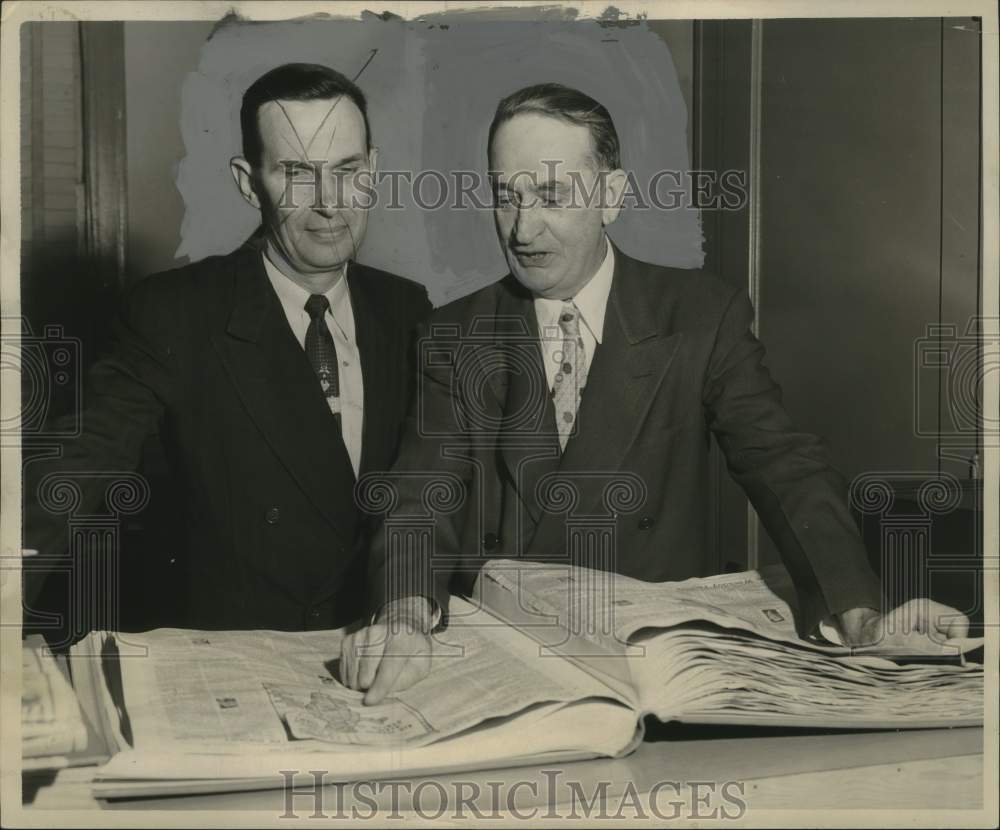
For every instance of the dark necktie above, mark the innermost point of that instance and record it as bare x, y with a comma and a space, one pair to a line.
322, 352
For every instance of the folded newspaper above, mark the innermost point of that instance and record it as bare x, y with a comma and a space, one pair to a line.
52, 726
545, 663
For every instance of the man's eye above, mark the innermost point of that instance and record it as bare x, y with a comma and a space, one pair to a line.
300, 173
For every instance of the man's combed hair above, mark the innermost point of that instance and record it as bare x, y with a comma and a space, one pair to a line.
568, 104
294, 82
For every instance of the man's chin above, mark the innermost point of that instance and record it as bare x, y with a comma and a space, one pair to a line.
536, 280
328, 266
328, 260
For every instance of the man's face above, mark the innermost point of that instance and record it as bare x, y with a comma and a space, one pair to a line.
549, 216
314, 159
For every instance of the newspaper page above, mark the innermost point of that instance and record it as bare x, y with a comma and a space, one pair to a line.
230, 691
51, 723
610, 609
710, 675
725, 649
617, 611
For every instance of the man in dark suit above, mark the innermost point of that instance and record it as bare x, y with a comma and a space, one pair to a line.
274, 375
587, 382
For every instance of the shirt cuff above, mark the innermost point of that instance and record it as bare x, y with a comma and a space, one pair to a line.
435, 615
829, 630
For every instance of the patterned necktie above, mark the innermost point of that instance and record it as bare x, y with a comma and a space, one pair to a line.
571, 374
322, 351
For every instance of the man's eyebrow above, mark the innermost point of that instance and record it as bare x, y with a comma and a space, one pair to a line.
348, 160
297, 164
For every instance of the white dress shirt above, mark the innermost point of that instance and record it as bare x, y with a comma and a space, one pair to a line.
340, 321
592, 302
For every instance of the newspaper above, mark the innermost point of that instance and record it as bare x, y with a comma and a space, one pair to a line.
216, 692
509, 681
51, 722
615, 610
725, 649
610, 609
712, 675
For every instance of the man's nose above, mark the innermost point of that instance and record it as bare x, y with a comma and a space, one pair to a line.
527, 224
329, 196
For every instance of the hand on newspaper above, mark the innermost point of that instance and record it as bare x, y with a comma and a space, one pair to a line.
919, 626
391, 654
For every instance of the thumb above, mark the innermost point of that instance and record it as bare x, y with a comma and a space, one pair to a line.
389, 669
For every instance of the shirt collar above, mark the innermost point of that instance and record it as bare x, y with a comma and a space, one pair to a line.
293, 296
591, 300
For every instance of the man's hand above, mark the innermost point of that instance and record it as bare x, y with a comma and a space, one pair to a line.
392, 654
919, 626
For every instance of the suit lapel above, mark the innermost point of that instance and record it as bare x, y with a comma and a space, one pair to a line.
380, 378
626, 372
529, 441
277, 385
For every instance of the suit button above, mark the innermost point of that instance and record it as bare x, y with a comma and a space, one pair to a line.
491, 541
645, 523
272, 515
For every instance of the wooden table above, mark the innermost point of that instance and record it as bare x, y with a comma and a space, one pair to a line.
686, 773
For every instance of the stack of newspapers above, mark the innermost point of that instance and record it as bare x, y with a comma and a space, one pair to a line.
544, 663
52, 726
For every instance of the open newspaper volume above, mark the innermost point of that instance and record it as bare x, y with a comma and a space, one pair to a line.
546, 663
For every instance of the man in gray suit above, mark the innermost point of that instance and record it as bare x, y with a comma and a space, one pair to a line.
585, 367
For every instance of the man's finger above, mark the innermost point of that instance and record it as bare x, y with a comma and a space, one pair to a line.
944, 622
368, 665
957, 626
359, 644
388, 671
351, 646
345, 661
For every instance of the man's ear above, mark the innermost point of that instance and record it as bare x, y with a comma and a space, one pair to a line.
373, 162
243, 176
615, 183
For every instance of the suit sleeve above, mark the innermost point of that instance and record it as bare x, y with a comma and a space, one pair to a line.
800, 498
413, 551
123, 402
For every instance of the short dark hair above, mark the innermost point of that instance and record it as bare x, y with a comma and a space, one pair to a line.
567, 104
294, 82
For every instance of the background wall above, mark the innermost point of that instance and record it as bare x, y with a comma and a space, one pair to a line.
158, 57
869, 238
870, 227
431, 89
